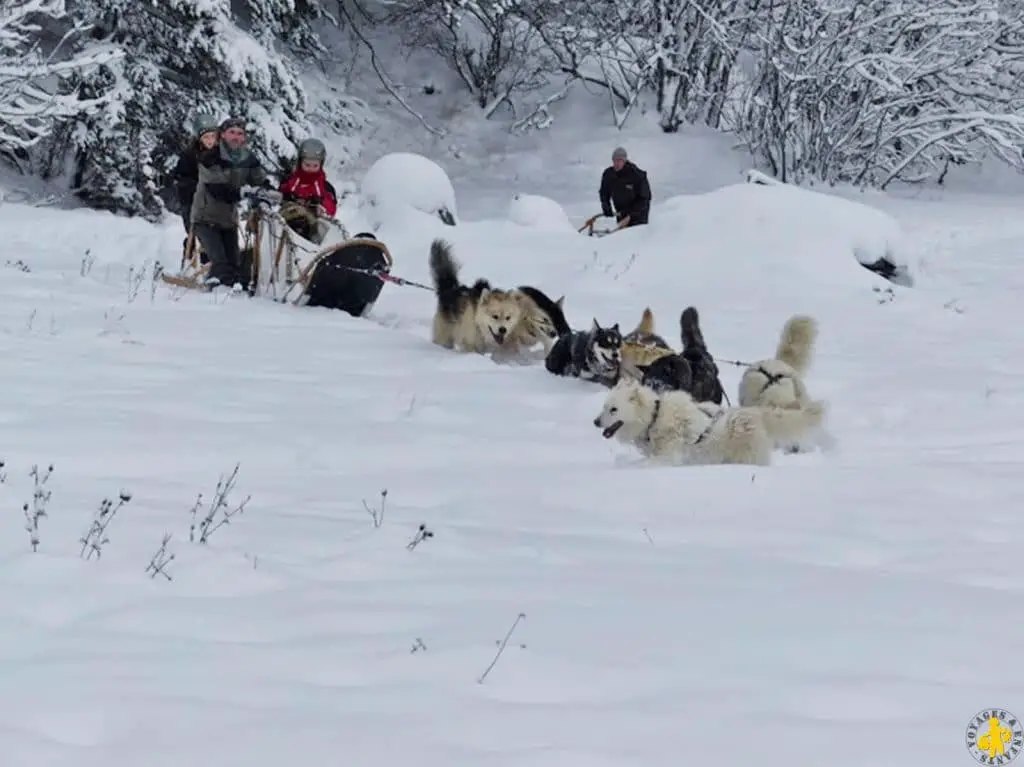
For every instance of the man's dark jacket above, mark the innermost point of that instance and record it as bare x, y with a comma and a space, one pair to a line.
629, 191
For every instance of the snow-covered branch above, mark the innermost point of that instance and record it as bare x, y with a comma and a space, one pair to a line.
860, 91
34, 82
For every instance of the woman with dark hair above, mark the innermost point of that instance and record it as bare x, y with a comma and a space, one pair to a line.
186, 172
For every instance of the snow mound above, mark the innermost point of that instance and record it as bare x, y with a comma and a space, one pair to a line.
876, 238
872, 237
403, 179
538, 212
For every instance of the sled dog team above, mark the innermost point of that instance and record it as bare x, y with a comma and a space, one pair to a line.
666, 404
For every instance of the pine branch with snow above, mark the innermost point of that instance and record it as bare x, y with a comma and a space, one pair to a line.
36, 85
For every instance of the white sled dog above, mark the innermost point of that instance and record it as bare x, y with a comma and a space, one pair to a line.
671, 426
779, 382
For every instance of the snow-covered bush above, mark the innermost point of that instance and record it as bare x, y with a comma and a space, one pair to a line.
403, 179
34, 86
866, 94
538, 212
855, 91
490, 44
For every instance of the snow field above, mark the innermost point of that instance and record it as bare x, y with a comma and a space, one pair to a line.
832, 609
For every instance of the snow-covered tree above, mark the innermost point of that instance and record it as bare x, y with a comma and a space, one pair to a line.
295, 23
873, 91
697, 45
35, 73
606, 43
182, 57
491, 45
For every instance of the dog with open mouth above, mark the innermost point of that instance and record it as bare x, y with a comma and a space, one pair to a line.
481, 319
672, 427
591, 355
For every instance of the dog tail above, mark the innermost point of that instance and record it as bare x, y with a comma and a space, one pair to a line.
552, 309
789, 425
796, 343
444, 272
646, 324
689, 326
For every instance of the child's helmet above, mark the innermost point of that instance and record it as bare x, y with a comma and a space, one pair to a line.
312, 149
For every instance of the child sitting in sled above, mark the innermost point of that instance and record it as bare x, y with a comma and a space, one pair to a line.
307, 193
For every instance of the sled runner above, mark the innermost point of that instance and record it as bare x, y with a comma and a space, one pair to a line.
192, 270
593, 230
348, 276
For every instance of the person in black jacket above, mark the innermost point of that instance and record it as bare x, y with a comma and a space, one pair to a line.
186, 172
625, 186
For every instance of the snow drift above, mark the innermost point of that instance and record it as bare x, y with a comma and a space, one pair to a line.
537, 212
403, 179
876, 237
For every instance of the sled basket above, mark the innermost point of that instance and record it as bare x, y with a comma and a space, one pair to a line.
305, 276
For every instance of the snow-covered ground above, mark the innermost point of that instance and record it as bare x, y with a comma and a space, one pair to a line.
853, 609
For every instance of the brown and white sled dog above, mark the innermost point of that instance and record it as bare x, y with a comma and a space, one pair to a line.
543, 320
642, 346
779, 382
480, 319
672, 427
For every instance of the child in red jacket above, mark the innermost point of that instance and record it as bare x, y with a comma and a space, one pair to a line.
309, 186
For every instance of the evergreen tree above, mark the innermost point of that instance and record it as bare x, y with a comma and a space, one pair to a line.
36, 89
181, 57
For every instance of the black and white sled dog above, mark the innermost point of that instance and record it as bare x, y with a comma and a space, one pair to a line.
693, 370
592, 355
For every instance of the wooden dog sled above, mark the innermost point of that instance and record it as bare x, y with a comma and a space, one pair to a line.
589, 226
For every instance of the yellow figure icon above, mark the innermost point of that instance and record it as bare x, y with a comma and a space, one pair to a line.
994, 742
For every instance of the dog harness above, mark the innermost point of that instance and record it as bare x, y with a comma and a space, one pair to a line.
707, 431
654, 419
772, 379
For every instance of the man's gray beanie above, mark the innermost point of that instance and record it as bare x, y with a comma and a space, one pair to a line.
619, 154
233, 122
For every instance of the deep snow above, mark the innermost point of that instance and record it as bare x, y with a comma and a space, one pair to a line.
850, 610
837, 609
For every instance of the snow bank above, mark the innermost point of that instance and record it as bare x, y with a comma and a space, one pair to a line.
403, 179
876, 238
538, 212
73, 240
